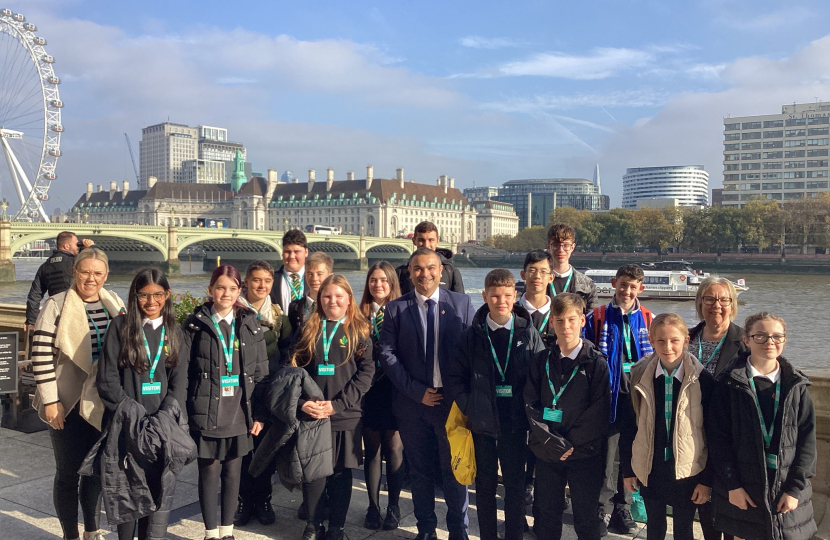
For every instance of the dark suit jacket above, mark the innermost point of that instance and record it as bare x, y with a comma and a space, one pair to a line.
402, 344
276, 290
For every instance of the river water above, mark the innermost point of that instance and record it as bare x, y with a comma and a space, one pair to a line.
802, 300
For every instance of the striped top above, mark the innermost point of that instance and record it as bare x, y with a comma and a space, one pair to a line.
98, 321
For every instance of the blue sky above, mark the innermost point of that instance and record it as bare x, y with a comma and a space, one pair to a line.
481, 91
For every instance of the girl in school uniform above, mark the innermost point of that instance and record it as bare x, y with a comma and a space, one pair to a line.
140, 361
380, 429
336, 350
224, 348
763, 443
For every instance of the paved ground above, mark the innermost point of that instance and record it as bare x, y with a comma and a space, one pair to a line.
27, 511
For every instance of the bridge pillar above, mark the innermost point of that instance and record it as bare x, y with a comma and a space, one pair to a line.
6, 264
454, 248
364, 261
173, 265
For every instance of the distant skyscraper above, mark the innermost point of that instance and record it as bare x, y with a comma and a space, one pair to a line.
596, 177
162, 150
534, 199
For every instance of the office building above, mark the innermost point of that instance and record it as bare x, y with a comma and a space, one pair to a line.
689, 184
162, 150
494, 217
205, 171
776, 156
534, 199
476, 194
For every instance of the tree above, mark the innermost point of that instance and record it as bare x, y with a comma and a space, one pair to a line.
674, 224
698, 230
760, 223
806, 218
566, 214
652, 229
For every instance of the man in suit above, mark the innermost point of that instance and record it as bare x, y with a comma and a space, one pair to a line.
289, 280
418, 337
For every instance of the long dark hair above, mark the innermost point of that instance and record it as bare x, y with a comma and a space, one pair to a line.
132, 352
394, 287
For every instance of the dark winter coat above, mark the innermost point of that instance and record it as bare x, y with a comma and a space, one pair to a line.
737, 450
585, 404
470, 381
132, 444
732, 345
53, 277
201, 350
584, 287
450, 275
301, 445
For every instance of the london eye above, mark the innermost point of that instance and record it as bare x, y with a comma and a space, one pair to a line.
30, 117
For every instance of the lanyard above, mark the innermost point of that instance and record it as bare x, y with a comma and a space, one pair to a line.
493, 350
227, 348
98, 330
668, 381
627, 336
557, 395
567, 283
767, 433
296, 291
541, 328
714, 353
327, 340
158, 352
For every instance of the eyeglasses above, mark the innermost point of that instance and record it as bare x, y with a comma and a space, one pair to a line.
760, 339
157, 296
562, 247
710, 301
533, 272
86, 274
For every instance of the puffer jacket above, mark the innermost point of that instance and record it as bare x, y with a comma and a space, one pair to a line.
450, 275
301, 445
202, 351
471, 380
132, 445
737, 451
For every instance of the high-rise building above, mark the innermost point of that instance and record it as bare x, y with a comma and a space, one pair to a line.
204, 171
689, 184
475, 194
776, 156
162, 150
534, 199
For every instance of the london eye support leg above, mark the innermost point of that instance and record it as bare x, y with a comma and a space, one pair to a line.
7, 274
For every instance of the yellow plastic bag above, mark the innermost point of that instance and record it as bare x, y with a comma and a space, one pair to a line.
462, 452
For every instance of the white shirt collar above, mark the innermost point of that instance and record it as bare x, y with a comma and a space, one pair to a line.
677, 374
421, 299
215, 316
309, 300
300, 272
155, 322
529, 307
772, 376
493, 325
574, 353
566, 273
375, 308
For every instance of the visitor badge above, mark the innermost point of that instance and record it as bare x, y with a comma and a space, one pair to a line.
325, 370
667, 454
772, 461
228, 383
504, 390
627, 367
552, 415
150, 388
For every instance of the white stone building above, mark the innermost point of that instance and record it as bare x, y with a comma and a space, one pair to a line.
495, 217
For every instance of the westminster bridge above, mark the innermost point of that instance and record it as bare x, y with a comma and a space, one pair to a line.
129, 246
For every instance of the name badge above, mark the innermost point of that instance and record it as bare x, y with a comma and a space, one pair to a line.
772, 461
667, 454
150, 388
228, 382
627, 367
552, 415
325, 370
504, 390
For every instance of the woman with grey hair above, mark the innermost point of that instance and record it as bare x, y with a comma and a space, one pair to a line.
69, 336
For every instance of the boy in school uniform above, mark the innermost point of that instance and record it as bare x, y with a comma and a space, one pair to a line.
537, 275
487, 381
318, 266
567, 400
566, 278
619, 330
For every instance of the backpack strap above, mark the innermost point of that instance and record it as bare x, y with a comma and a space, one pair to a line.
599, 320
647, 316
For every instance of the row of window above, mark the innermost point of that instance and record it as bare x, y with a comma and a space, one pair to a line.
815, 121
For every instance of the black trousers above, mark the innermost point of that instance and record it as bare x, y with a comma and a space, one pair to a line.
613, 494
71, 445
254, 489
509, 450
678, 495
584, 476
338, 488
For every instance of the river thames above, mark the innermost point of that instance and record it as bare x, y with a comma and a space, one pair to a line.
802, 300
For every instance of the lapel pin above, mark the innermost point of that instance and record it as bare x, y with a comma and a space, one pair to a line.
443, 312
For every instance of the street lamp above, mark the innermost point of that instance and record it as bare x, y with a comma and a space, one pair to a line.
86, 217
172, 216
286, 225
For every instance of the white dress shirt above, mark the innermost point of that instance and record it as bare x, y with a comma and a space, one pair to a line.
531, 309
437, 382
574, 353
495, 326
286, 288
677, 374
772, 376
155, 322
218, 318
566, 273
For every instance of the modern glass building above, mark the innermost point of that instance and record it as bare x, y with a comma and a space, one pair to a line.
688, 184
534, 199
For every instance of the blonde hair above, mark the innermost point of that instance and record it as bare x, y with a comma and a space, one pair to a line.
355, 325
565, 302
669, 319
91, 252
707, 284
318, 258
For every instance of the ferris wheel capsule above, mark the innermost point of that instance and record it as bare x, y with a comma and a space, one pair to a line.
47, 59
56, 103
30, 27
33, 215
55, 152
57, 128
39, 41
49, 176
18, 17
43, 197
53, 80
5, 13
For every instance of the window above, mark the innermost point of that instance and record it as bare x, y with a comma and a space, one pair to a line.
752, 155
773, 123
795, 174
773, 164
794, 153
772, 176
751, 135
751, 166
817, 174
816, 185
818, 131
772, 185
733, 146
751, 146
732, 137
731, 127
816, 153
773, 155
817, 162
730, 197
773, 144
751, 176
732, 157
796, 122
793, 195
794, 165
818, 121
817, 142
731, 167
750, 187
772, 196
796, 142
729, 178
731, 187
793, 185
795, 132
774, 134
751, 125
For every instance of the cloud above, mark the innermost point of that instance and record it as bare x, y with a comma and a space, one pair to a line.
478, 42
601, 64
773, 20
629, 98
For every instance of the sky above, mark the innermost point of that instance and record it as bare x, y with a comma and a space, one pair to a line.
482, 91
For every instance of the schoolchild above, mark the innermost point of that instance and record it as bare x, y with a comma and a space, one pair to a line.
567, 400
380, 428
763, 441
140, 362
487, 381
318, 266
336, 350
663, 439
255, 492
566, 278
619, 330
224, 348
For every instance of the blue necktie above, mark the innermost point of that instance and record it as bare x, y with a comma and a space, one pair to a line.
430, 333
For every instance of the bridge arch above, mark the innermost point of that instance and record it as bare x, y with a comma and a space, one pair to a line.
104, 238
229, 242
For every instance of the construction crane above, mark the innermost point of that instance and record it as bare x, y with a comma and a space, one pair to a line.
132, 158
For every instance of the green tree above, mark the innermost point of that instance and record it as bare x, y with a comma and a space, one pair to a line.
652, 229
760, 223
674, 224
566, 214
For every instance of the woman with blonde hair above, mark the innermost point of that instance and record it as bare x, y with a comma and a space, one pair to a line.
68, 338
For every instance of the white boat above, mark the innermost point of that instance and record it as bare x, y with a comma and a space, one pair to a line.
665, 280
